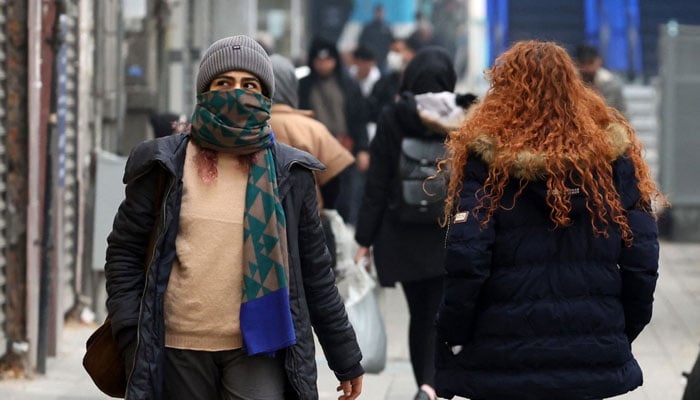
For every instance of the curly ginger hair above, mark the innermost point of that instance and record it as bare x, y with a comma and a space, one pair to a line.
538, 105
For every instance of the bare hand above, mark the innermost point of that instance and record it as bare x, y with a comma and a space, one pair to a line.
362, 160
362, 254
351, 389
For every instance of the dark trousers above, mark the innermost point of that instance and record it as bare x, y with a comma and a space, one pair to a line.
423, 298
223, 375
352, 188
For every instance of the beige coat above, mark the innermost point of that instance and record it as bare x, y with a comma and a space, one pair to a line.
298, 129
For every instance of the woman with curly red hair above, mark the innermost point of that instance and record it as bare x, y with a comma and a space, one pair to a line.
552, 249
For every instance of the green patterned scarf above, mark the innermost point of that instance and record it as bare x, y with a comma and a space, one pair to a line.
235, 122
232, 121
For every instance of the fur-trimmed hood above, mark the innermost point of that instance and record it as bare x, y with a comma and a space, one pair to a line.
530, 165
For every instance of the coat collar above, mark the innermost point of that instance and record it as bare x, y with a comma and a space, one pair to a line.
170, 151
286, 157
531, 165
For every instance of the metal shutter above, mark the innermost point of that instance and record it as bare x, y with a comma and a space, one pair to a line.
3, 180
68, 179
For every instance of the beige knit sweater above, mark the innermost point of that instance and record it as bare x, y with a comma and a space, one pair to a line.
203, 298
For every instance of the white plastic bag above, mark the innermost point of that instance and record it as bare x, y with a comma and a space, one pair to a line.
366, 319
358, 290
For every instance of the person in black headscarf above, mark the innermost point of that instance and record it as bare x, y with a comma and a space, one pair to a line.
410, 253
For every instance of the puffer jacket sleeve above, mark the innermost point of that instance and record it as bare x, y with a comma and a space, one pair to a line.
326, 308
467, 263
126, 254
639, 263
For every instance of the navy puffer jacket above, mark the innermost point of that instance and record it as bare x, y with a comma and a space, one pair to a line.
544, 313
135, 299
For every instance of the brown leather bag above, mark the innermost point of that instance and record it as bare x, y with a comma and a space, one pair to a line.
103, 361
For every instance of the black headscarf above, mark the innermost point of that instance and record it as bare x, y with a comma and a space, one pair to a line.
430, 71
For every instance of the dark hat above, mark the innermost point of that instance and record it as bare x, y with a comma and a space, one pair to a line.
586, 54
321, 48
236, 53
364, 53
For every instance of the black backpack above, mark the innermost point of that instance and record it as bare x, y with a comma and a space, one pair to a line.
421, 199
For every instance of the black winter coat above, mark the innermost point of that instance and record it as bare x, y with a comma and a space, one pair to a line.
544, 313
403, 252
384, 92
135, 300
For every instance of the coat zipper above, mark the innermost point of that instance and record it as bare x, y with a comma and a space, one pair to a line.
145, 286
447, 231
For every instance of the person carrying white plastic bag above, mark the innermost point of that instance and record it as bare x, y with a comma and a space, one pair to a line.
358, 291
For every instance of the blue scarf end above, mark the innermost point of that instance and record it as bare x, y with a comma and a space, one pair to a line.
266, 323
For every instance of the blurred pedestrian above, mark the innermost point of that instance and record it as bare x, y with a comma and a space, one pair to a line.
386, 90
448, 22
163, 124
366, 73
552, 250
329, 18
590, 65
238, 268
364, 69
266, 40
376, 35
299, 129
424, 28
409, 252
336, 100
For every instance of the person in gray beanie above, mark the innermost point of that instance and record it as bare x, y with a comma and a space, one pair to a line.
216, 216
236, 53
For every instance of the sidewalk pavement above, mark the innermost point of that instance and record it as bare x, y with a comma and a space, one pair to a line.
666, 348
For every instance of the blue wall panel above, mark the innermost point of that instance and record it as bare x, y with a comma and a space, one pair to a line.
555, 20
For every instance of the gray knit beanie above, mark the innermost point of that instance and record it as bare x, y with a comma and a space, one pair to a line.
236, 53
286, 82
